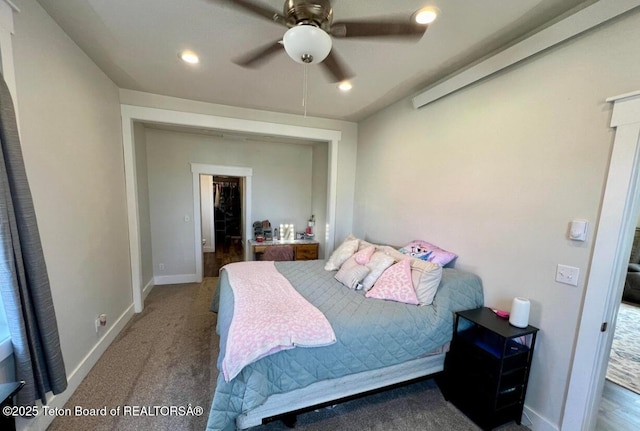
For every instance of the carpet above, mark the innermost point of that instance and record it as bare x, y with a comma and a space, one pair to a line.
624, 361
418, 406
163, 357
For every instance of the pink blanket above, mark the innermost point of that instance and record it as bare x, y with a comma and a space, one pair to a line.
269, 315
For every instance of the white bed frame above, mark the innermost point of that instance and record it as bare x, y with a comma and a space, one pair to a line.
325, 391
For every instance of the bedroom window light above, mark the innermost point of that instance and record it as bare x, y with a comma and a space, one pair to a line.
6, 348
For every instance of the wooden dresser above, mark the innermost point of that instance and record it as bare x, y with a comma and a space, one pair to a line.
303, 249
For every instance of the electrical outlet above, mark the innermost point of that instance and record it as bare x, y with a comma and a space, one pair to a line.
161, 267
567, 275
101, 320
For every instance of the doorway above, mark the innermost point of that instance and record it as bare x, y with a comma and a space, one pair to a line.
221, 221
242, 185
620, 404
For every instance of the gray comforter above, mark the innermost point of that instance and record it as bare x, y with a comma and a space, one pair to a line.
371, 334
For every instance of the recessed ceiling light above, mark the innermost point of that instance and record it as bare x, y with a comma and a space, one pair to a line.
426, 15
189, 57
345, 86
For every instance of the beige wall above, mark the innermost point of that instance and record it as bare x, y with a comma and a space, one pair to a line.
71, 141
496, 171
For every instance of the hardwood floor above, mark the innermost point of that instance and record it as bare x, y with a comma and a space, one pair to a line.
619, 409
225, 253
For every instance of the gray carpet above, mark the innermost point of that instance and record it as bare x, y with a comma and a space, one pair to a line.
166, 357
419, 406
163, 357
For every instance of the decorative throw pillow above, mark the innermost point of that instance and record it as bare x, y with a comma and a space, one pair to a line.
395, 284
377, 264
362, 244
366, 244
426, 251
364, 255
426, 277
341, 254
393, 253
352, 275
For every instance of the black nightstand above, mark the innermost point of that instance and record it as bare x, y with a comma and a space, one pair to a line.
487, 367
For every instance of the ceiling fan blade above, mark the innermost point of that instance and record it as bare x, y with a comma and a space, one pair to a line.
259, 55
336, 68
378, 28
259, 10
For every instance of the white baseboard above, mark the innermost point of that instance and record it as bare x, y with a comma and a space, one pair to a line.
41, 422
175, 279
536, 422
147, 288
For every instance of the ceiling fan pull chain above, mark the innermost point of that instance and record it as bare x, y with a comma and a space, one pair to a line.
304, 89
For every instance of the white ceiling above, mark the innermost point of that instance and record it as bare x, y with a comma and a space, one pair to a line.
136, 43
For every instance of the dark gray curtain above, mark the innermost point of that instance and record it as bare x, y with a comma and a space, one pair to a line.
24, 282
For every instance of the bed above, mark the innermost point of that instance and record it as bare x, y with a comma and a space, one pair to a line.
378, 343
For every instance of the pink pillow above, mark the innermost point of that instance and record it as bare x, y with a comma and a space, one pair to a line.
395, 284
364, 255
426, 251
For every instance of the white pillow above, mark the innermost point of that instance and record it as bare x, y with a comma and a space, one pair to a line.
366, 244
352, 275
377, 264
395, 254
426, 277
362, 243
341, 254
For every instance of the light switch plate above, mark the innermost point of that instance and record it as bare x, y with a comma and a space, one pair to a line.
567, 275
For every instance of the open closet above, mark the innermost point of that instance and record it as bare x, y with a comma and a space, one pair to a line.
227, 203
221, 221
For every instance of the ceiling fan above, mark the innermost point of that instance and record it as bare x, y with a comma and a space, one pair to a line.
311, 27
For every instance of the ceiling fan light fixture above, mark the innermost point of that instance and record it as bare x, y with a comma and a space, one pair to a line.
307, 44
345, 86
426, 15
189, 57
